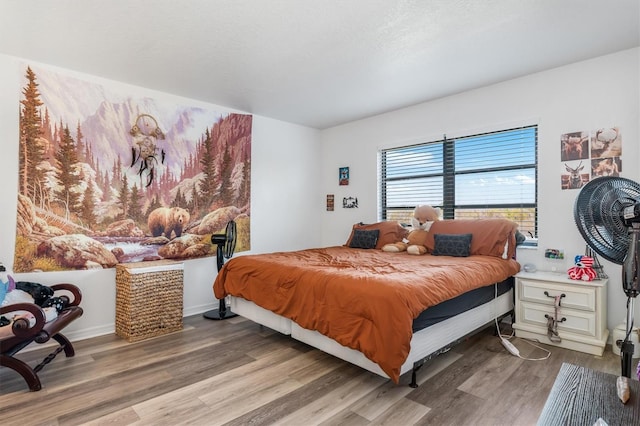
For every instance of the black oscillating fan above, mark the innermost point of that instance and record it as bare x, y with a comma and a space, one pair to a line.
607, 213
225, 246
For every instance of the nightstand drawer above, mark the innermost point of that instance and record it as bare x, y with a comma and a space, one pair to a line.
576, 297
579, 322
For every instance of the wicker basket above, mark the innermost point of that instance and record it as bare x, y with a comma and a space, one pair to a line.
148, 299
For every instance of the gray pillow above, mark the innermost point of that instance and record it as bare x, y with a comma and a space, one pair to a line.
458, 245
365, 239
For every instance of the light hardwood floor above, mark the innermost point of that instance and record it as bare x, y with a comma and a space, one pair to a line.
235, 372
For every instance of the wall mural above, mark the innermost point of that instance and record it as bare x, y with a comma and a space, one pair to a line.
106, 177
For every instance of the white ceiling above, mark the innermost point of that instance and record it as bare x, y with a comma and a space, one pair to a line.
319, 63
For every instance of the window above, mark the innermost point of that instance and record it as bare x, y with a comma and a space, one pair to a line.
486, 175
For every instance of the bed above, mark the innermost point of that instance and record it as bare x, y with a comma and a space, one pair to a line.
363, 305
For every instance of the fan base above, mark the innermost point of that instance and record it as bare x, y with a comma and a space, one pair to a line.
215, 314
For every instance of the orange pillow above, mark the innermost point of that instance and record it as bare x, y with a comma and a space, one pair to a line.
491, 237
390, 232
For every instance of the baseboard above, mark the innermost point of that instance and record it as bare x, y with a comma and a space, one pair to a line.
101, 330
194, 310
74, 336
87, 333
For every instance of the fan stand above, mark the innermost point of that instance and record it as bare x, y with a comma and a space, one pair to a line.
631, 286
222, 313
627, 347
224, 248
597, 266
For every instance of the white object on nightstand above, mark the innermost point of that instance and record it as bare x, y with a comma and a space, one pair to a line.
582, 314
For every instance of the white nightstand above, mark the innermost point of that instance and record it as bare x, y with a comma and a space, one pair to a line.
582, 312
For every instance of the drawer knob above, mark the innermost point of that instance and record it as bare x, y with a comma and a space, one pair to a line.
547, 316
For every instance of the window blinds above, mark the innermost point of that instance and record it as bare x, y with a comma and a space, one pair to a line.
485, 175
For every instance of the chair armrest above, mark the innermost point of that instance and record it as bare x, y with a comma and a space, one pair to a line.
70, 288
20, 326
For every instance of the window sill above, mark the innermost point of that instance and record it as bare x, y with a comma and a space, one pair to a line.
530, 244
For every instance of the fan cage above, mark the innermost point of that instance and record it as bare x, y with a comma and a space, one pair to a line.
598, 213
231, 237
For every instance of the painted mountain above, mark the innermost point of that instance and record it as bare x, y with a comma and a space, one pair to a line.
108, 177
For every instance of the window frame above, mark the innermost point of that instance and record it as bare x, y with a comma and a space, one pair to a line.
449, 174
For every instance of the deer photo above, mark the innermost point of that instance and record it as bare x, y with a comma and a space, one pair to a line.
575, 180
606, 167
574, 147
606, 143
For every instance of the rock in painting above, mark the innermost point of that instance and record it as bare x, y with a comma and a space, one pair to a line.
124, 228
217, 220
184, 247
76, 251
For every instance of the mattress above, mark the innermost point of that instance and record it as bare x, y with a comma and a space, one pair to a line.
467, 301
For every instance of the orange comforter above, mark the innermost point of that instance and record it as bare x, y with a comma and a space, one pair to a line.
364, 299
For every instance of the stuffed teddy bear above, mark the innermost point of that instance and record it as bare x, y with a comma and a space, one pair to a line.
423, 218
583, 269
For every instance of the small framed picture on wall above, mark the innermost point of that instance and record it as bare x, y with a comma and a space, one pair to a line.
343, 176
330, 202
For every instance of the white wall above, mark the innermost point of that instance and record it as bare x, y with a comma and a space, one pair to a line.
284, 202
603, 92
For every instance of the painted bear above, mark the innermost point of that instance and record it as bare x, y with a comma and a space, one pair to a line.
164, 220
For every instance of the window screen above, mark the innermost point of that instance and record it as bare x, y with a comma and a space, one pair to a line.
486, 175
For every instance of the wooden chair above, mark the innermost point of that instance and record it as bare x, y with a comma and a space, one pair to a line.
22, 334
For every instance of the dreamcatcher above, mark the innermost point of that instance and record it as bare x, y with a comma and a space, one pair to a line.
146, 132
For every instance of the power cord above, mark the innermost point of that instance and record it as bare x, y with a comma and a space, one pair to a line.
514, 351
630, 328
510, 347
